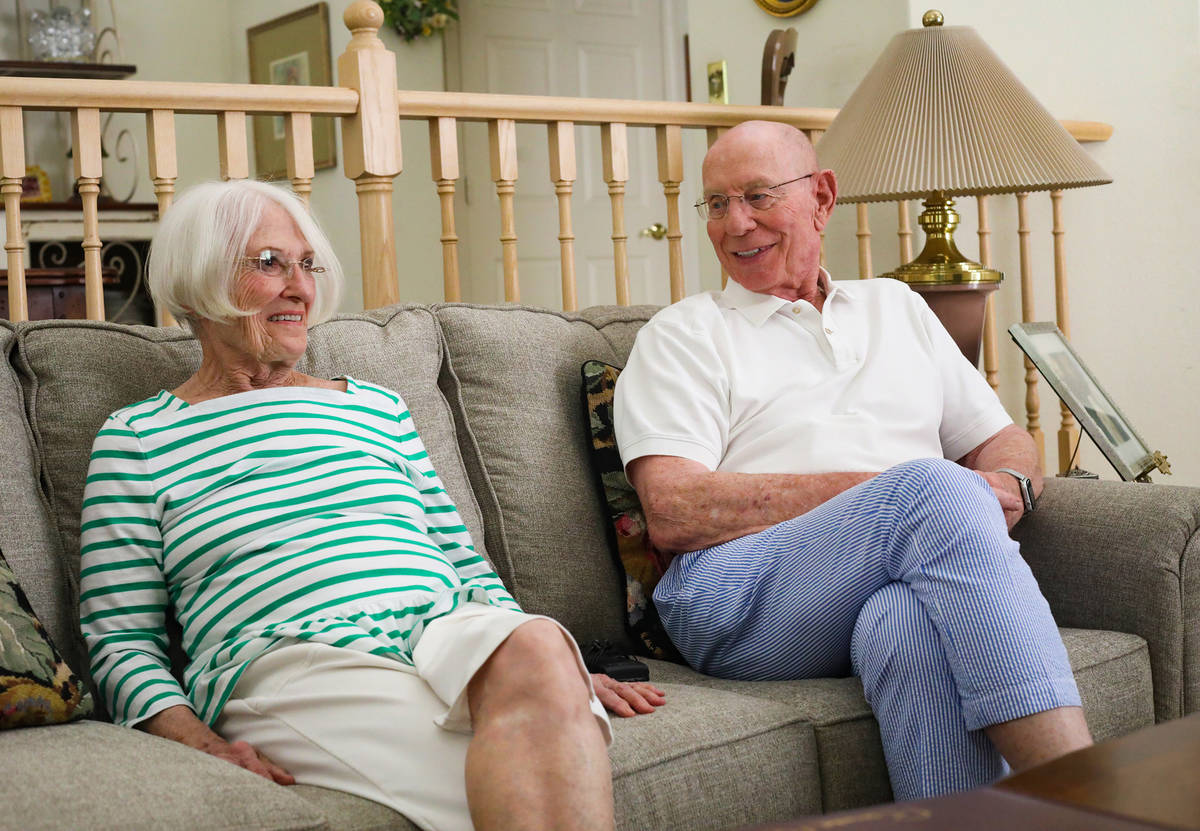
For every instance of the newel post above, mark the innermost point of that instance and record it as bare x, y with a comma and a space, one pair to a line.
371, 147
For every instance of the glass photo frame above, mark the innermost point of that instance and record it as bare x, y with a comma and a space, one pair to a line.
1096, 412
293, 49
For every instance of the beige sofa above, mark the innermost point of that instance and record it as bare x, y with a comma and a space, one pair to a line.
495, 393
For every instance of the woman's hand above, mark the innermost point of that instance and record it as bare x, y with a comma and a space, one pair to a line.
180, 724
627, 699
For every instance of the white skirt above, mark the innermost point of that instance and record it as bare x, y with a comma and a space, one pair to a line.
373, 727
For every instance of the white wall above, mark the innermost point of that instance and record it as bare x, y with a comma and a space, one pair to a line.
1133, 304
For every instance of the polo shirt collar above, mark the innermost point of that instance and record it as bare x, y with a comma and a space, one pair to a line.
757, 308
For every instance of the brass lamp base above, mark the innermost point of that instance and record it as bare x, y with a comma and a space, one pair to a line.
955, 288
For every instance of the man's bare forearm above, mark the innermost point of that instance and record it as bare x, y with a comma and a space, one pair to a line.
688, 507
1010, 447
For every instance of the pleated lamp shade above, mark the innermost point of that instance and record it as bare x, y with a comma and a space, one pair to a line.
939, 111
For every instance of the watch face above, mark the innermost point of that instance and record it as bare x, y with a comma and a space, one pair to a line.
1024, 485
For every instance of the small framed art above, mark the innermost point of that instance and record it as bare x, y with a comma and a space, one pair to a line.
293, 49
1092, 407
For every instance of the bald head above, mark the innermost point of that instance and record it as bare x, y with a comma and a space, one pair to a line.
775, 144
770, 246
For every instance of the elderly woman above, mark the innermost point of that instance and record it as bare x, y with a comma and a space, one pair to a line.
339, 627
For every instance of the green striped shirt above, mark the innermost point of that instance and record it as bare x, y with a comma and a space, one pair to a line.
288, 513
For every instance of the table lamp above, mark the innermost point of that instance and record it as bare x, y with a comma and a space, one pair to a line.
940, 115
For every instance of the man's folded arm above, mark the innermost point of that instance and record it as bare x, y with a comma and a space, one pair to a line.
689, 507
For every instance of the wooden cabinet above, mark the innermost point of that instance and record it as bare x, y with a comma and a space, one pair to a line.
54, 293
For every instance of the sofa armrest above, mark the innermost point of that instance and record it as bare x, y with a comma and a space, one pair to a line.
1125, 557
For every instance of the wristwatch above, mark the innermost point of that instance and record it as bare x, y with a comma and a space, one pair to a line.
1025, 485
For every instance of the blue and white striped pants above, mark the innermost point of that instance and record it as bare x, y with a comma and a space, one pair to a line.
909, 581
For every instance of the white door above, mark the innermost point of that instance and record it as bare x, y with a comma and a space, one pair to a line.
573, 48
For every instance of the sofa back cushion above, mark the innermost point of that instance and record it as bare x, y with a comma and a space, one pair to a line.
27, 535
74, 373
515, 384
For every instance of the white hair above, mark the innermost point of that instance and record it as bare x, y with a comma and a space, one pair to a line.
195, 257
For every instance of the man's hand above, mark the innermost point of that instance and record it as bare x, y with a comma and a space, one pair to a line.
627, 699
1009, 447
1008, 492
180, 724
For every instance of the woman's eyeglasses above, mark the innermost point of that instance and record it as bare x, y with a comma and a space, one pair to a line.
269, 262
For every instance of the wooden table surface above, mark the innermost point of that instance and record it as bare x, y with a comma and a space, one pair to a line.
1151, 775
1148, 780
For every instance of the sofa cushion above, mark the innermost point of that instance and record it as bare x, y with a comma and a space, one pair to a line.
1112, 670
127, 779
37, 686
347, 812
758, 759
513, 381
74, 373
634, 555
27, 534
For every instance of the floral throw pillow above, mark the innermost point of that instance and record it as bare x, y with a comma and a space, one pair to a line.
36, 685
635, 555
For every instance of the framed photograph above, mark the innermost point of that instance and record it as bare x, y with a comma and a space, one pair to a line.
293, 49
1095, 411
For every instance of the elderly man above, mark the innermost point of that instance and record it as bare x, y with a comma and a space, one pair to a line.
838, 483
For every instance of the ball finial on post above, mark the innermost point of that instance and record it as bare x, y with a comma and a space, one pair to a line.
931, 18
363, 15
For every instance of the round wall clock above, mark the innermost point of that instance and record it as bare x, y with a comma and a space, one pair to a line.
786, 8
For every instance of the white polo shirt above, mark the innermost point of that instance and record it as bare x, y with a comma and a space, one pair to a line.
753, 383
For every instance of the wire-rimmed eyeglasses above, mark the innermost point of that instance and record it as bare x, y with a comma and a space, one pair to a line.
269, 262
716, 205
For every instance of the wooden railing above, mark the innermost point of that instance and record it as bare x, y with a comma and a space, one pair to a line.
371, 107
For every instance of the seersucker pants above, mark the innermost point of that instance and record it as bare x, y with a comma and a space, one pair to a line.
909, 581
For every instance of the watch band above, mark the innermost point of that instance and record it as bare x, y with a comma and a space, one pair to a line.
1024, 485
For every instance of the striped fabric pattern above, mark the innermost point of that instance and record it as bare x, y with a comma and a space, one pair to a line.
909, 581
289, 513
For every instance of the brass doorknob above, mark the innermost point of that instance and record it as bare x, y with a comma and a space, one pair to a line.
657, 231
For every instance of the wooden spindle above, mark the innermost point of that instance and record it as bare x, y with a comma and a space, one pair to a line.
670, 173
991, 357
374, 226
864, 241
615, 149
904, 231
298, 148
1033, 418
814, 136
562, 174
164, 166
715, 133
371, 150
443, 151
502, 137
1068, 430
231, 140
12, 170
85, 139
164, 170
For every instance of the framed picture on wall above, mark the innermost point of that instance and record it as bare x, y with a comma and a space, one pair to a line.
1092, 407
293, 49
